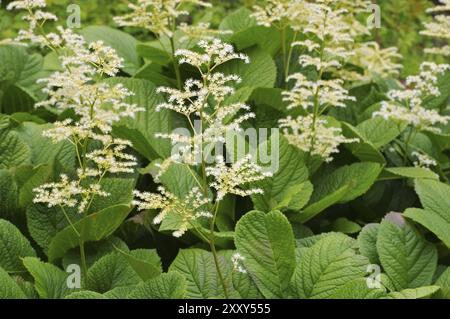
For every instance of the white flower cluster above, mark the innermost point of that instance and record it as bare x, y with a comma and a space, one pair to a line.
407, 105
227, 180
96, 105
423, 160
327, 47
326, 92
68, 193
374, 61
203, 100
440, 28
157, 16
188, 209
35, 17
314, 137
237, 261
215, 53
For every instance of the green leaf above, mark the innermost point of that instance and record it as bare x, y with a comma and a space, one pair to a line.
199, 270
36, 176
260, 72
317, 207
85, 294
327, 266
120, 190
8, 194
344, 225
153, 53
141, 130
359, 177
379, 131
364, 150
91, 228
171, 285
444, 283
13, 150
408, 172
358, 289
435, 198
50, 281
123, 43
13, 247
288, 187
43, 150
266, 241
407, 258
145, 262
414, 293
109, 272
367, 241
9, 288
19, 71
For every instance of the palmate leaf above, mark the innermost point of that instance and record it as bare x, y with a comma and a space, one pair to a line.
91, 228
327, 266
266, 241
406, 257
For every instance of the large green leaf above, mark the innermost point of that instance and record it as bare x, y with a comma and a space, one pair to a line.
358, 289
50, 281
109, 272
8, 194
407, 172
359, 177
435, 198
260, 72
266, 241
170, 285
407, 258
444, 283
364, 149
91, 228
19, 71
287, 185
414, 293
141, 130
123, 43
198, 267
145, 262
13, 150
85, 294
13, 247
367, 241
9, 288
327, 266
247, 33
379, 131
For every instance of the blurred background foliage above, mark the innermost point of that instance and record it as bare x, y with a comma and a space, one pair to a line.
401, 21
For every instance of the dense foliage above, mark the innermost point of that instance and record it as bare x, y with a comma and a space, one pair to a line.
128, 168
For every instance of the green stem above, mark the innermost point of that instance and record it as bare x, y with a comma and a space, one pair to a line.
284, 50
83, 260
406, 150
214, 252
288, 63
176, 66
